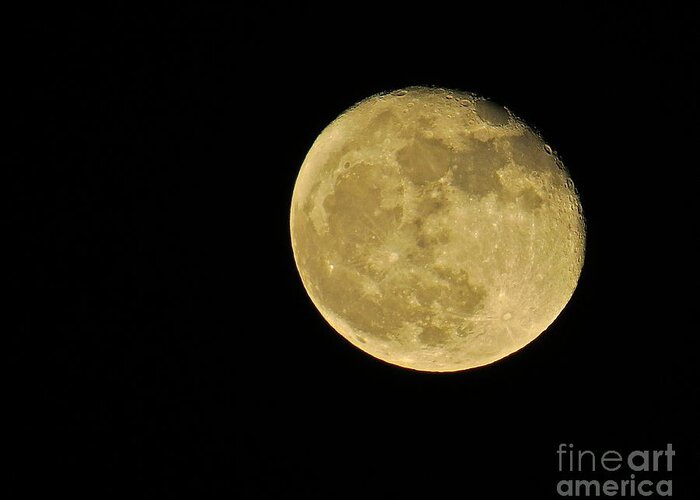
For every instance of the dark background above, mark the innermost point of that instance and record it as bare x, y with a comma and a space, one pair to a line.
160, 340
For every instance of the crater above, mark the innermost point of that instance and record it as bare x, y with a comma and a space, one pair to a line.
492, 113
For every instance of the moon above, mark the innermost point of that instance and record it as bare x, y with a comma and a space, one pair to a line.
434, 230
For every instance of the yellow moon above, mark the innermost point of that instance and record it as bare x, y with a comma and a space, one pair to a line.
435, 230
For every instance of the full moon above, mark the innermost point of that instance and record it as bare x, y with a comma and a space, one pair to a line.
435, 230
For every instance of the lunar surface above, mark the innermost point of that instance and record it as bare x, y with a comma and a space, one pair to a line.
434, 230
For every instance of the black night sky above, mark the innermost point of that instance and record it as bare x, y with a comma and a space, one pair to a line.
160, 339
